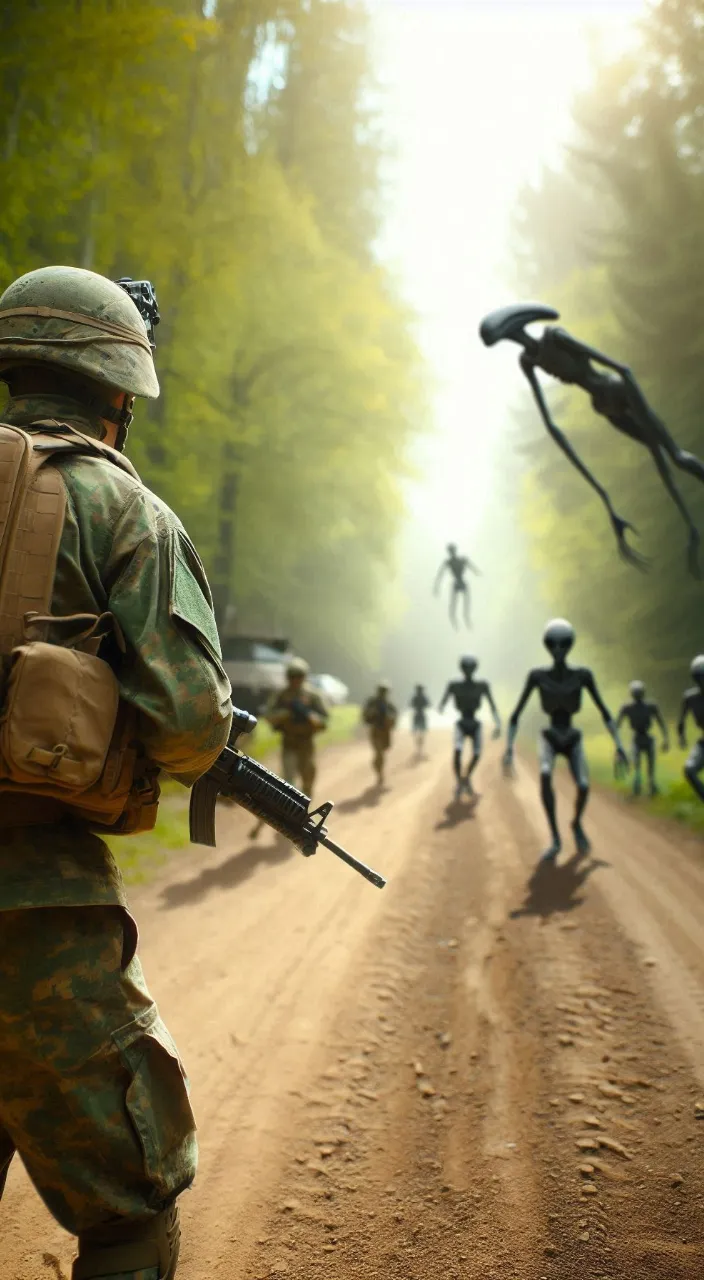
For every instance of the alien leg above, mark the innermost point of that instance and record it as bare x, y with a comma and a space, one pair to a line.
694, 766
637, 754
476, 755
666, 477
577, 762
453, 607
547, 794
457, 759
619, 525
466, 607
650, 757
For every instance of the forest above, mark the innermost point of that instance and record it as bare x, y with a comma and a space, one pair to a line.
614, 239
230, 152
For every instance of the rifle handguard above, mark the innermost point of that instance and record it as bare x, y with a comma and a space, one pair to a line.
268, 797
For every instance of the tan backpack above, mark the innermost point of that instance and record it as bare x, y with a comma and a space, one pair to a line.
65, 734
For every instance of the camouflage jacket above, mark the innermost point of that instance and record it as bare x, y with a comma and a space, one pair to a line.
288, 712
123, 550
379, 713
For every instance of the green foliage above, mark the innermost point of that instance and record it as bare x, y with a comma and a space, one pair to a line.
233, 159
676, 799
624, 264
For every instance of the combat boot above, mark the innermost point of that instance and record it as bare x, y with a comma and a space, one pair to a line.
131, 1251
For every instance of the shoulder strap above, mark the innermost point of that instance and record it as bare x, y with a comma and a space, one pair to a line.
61, 437
32, 509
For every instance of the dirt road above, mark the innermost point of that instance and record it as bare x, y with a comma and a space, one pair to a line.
479, 1072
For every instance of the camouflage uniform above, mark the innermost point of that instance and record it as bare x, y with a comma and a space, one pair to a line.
380, 715
92, 1091
297, 732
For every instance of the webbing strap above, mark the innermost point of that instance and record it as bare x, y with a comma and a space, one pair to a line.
32, 510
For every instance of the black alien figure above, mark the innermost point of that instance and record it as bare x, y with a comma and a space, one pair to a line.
468, 695
641, 714
693, 705
457, 566
419, 706
614, 394
560, 688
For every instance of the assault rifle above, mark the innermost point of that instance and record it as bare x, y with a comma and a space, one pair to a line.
268, 797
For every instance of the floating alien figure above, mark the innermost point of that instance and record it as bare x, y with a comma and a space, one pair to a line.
614, 394
458, 566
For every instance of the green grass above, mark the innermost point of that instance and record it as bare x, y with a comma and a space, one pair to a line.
676, 800
140, 856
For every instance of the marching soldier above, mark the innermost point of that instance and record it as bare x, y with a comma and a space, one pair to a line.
380, 715
92, 1092
298, 713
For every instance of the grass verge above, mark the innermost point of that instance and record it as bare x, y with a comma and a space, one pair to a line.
140, 856
676, 799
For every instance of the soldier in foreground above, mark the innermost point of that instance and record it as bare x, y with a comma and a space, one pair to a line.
468, 695
419, 706
560, 687
640, 714
298, 713
92, 1091
693, 705
379, 713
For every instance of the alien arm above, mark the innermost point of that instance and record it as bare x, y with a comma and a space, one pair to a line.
590, 686
661, 723
682, 722
494, 711
439, 576
530, 684
447, 694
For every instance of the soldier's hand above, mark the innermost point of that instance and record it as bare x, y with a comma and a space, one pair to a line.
507, 763
666, 744
621, 762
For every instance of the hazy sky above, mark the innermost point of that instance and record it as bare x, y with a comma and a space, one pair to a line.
477, 97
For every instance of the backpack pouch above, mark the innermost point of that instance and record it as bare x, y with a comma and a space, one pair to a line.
59, 716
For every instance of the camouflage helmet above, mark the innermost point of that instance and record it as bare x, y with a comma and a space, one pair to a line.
297, 667
81, 321
384, 686
697, 667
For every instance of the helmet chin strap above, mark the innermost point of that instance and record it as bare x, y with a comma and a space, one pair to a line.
122, 418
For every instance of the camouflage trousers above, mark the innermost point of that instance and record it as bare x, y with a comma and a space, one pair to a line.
298, 763
381, 741
92, 1092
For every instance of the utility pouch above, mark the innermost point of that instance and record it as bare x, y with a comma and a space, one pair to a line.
60, 710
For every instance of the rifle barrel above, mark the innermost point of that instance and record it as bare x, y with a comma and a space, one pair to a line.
372, 876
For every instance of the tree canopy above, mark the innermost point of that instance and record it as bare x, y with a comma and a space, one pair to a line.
614, 239
230, 152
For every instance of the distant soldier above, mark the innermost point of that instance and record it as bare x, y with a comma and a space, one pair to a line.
298, 713
693, 704
380, 714
419, 705
640, 714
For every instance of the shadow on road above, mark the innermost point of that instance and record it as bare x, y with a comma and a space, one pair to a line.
365, 800
456, 812
227, 875
554, 888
